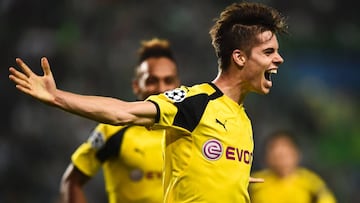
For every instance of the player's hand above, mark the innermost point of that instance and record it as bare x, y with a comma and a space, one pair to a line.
256, 180
42, 88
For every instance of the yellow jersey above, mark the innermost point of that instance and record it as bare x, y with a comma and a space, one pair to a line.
303, 186
131, 159
208, 145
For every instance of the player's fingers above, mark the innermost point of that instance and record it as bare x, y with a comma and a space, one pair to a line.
17, 73
256, 180
45, 66
24, 67
23, 89
19, 82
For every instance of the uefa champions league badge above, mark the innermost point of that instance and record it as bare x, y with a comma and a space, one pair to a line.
96, 139
175, 95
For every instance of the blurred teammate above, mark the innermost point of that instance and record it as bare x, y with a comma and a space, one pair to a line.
285, 180
208, 143
130, 156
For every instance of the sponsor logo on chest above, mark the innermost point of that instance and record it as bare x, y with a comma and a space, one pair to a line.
213, 150
138, 174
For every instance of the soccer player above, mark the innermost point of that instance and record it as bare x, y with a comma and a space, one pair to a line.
208, 143
285, 180
131, 156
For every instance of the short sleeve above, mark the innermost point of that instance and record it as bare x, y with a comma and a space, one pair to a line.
166, 110
85, 157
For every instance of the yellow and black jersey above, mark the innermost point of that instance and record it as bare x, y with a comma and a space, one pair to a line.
131, 158
303, 186
208, 145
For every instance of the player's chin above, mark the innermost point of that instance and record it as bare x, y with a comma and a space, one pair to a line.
266, 86
262, 91
266, 91
263, 87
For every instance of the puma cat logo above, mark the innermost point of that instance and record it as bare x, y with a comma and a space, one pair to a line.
222, 124
139, 151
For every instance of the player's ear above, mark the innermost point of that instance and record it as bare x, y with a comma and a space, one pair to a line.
135, 87
299, 156
239, 57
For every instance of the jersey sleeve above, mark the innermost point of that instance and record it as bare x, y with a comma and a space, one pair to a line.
179, 109
319, 189
166, 110
86, 157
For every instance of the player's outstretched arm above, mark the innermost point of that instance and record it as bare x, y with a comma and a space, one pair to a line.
101, 109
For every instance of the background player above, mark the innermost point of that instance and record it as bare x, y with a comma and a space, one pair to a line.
130, 156
285, 180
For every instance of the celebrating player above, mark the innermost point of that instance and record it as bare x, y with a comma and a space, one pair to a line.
208, 142
131, 156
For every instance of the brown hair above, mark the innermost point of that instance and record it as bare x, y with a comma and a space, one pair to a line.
238, 27
155, 48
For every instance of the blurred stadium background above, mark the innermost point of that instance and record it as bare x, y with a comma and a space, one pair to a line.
91, 46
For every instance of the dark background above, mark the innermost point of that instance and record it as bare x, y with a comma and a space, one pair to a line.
91, 46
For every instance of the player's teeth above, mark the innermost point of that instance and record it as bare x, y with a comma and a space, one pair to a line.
273, 71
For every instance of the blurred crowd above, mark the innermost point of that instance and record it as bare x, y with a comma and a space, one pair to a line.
91, 47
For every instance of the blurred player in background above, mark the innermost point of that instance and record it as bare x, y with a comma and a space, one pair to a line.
285, 180
208, 142
131, 156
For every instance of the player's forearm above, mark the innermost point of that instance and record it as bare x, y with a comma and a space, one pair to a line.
73, 194
72, 184
101, 109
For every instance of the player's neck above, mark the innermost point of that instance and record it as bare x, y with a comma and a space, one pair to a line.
230, 86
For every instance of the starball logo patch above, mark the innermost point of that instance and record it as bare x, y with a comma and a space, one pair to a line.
96, 139
176, 95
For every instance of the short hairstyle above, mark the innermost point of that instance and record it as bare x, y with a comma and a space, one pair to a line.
278, 134
153, 48
238, 27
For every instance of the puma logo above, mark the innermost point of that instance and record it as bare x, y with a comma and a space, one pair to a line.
222, 124
139, 151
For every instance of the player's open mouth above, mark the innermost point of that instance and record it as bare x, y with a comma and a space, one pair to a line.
268, 74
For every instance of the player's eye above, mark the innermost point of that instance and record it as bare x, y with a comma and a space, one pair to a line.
151, 81
269, 51
170, 80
